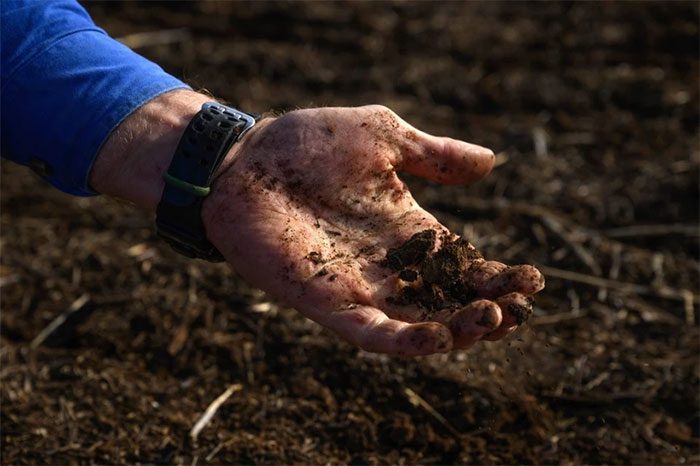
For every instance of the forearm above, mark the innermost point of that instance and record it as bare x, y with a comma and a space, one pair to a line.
132, 161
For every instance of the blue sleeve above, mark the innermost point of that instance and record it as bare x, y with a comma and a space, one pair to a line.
64, 86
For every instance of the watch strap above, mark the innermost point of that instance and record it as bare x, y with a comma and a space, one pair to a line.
202, 147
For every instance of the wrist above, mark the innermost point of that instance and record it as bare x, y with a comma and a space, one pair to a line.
132, 161
223, 179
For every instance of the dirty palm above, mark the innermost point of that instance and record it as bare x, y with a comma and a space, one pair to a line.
311, 209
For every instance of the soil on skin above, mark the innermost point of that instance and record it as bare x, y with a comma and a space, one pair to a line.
593, 109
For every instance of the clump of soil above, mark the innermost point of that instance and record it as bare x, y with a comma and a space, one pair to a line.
412, 252
436, 280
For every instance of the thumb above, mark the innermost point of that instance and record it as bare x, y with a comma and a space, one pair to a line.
445, 160
441, 159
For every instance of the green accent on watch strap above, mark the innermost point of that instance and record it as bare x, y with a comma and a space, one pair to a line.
193, 189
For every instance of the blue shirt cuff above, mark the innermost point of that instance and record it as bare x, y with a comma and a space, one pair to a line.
61, 105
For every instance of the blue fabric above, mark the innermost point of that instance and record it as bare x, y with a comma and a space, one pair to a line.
64, 86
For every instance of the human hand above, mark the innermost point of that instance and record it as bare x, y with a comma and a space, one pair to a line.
307, 205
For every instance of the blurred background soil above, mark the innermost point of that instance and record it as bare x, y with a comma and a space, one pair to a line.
593, 108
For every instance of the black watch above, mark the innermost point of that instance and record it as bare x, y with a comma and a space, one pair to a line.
202, 148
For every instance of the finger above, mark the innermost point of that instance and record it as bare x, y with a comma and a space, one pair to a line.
441, 159
516, 309
372, 330
480, 276
524, 279
470, 323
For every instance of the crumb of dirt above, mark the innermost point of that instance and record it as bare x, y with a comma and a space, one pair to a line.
315, 257
438, 280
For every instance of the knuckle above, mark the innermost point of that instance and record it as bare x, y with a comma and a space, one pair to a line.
381, 110
291, 118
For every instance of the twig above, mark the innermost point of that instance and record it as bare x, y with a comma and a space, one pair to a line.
10, 279
602, 377
59, 320
212, 408
586, 257
162, 37
654, 230
614, 272
539, 140
556, 318
657, 267
597, 399
218, 448
649, 435
689, 304
663, 292
647, 311
417, 400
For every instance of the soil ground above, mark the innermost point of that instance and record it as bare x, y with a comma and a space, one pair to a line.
594, 110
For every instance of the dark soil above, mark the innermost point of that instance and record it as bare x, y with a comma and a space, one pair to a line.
438, 280
593, 108
412, 252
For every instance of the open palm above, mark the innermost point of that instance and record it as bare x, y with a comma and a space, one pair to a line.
307, 206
